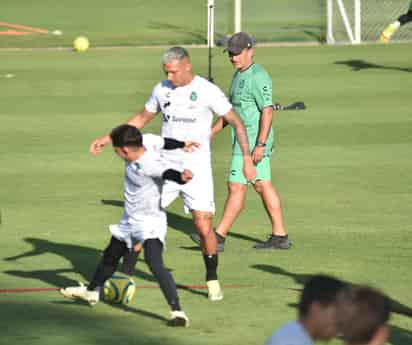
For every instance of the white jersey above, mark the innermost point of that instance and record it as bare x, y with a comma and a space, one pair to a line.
142, 183
188, 114
143, 217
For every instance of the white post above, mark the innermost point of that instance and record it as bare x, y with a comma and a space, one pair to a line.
329, 26
345, 21
238, 15
210, 23
358, 38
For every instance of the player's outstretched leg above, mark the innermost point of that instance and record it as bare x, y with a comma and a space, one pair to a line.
80, 292
104, 271
153, 249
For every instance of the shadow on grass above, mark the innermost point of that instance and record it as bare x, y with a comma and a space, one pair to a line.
83, 260
182, 224
359, 65
64, 324
400, 336
301, 279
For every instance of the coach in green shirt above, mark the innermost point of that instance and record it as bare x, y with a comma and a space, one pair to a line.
251, 97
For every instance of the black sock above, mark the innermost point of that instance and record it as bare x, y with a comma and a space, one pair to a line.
405, 18
175, 306
211, 266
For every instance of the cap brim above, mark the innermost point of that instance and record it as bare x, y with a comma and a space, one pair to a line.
232, 51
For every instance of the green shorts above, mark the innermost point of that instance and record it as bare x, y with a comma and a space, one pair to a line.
236, 170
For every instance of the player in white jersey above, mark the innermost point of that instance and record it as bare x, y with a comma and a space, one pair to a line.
144, 221
187, 103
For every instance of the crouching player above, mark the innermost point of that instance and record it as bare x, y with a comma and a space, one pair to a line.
144, 223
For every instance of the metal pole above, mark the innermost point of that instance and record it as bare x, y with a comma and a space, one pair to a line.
238, 15
210, 35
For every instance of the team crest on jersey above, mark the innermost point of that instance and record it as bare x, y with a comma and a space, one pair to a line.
242, 84
193, 96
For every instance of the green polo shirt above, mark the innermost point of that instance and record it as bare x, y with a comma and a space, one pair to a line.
250, 92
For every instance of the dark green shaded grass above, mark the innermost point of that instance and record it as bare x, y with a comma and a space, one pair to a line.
342, 167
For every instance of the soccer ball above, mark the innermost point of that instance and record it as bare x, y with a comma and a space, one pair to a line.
120, 289
81, 44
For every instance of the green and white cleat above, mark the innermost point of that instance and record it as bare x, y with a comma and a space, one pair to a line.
388, 32
215, 292
81, 292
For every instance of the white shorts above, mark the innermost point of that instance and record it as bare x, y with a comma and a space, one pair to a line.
197, 194
141, 230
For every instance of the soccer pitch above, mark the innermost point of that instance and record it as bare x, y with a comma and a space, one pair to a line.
134, 22
343, 169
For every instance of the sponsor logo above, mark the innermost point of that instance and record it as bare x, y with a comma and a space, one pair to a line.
183, 119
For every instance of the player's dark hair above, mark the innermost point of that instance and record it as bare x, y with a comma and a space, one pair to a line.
320, 289
361, 312
126, 135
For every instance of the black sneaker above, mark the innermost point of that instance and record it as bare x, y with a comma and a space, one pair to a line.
274, 242
220, 241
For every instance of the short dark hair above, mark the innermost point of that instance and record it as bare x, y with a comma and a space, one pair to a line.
126, 135
361, 312
320, 289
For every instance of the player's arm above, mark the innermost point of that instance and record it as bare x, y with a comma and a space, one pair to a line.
234, 120
187, 146
177, 176
265, 125
262, 93
138, 120
219, 124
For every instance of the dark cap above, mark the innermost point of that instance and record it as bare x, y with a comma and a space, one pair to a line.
238, 42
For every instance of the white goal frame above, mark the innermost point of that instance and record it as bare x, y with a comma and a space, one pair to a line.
353, 30
237, 20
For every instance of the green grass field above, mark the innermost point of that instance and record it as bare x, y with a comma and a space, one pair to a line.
343, 168
132, 22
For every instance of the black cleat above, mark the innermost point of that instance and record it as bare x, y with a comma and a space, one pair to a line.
220, 241
274, 242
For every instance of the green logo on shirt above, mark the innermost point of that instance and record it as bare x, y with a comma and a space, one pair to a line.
193, 96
